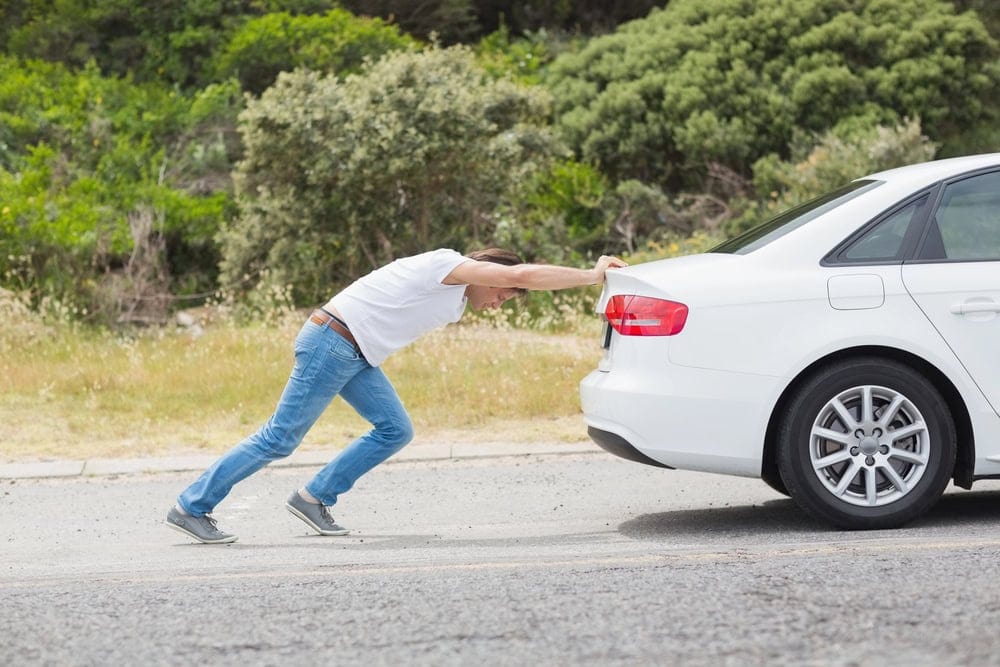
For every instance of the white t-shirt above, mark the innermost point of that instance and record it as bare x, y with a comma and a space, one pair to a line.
393, 306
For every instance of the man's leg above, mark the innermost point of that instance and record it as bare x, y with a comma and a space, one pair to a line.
373, 396
324, 363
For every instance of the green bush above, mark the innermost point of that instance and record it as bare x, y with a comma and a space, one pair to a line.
336, 42
556, 214
152, 41
521, 58
340, 176
729, 81
84, 160
450, 21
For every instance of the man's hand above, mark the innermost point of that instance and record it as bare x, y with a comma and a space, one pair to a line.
607, 262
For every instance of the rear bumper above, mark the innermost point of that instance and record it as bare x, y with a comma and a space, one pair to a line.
684, 418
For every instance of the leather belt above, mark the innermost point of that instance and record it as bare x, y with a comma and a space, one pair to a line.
323, 318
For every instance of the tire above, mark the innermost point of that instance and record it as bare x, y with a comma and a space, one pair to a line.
776, 483
866, 470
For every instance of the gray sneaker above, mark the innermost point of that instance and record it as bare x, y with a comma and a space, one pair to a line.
201, 528
316, 517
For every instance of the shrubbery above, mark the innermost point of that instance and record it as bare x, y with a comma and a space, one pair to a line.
729, 81
118, 155
82, 158
340, 176
336, 42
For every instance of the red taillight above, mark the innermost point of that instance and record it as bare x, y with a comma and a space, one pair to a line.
632, 315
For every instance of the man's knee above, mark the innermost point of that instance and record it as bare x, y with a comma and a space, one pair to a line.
277, 443
399, 432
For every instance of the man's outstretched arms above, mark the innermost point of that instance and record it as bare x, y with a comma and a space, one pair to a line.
530, 276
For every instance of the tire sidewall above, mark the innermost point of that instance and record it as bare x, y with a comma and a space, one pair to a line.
795, 441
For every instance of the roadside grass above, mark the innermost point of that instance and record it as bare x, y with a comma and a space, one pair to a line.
68, 392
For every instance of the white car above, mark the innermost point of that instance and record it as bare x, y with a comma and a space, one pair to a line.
847, 351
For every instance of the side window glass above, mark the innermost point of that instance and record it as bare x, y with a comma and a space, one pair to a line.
968, 221
884, 241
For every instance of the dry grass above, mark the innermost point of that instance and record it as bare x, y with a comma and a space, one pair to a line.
69, 393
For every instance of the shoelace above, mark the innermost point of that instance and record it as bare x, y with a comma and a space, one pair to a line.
325, 513
211, 522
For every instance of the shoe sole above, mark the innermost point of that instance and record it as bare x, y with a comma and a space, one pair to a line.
305, 519
180, 529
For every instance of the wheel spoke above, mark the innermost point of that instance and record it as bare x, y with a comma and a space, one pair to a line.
894, 477
845, 481
850, 423
867, 411
890, 412
906, 455
907, 431
871, 493
829, 434
831, 459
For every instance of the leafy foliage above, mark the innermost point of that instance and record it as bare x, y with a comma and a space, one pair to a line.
119, 137
340, 176
729, 81
556, 214
173, 41
336, 42
522, 58
451, 21
820, 165
81, 156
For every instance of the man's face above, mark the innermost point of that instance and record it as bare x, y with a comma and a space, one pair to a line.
486, 298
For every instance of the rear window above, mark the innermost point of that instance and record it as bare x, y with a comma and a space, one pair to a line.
793, 218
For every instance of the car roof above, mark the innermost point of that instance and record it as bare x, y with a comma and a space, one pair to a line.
937, 169
811, 241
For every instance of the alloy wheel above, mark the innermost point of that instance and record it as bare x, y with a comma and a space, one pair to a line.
869, 446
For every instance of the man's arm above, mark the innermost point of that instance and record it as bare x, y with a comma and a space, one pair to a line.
530, 276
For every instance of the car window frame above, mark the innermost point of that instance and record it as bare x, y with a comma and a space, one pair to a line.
915, 232
932, 212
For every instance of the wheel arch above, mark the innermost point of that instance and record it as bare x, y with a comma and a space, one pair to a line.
963, 474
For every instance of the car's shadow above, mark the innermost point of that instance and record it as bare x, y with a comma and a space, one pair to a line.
782, 516
980, 509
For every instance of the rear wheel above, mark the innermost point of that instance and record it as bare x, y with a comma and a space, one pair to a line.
867, 443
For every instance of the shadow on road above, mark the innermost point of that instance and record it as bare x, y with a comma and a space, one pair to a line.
979, 508
782, 516
971, 508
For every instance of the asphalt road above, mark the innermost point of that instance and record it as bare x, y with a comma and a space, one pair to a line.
556, 560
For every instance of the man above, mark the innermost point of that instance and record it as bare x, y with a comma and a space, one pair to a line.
340, 350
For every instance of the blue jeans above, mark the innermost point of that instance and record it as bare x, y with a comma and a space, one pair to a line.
326, 364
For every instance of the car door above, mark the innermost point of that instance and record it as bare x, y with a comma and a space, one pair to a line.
955, 276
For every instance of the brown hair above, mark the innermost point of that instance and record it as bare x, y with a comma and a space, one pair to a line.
498, 256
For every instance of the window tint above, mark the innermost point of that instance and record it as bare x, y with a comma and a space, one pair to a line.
884, 241
966, 225
792, 219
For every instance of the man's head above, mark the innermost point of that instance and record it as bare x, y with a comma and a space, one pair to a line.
482, 297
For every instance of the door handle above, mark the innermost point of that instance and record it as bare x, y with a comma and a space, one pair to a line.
976, 307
